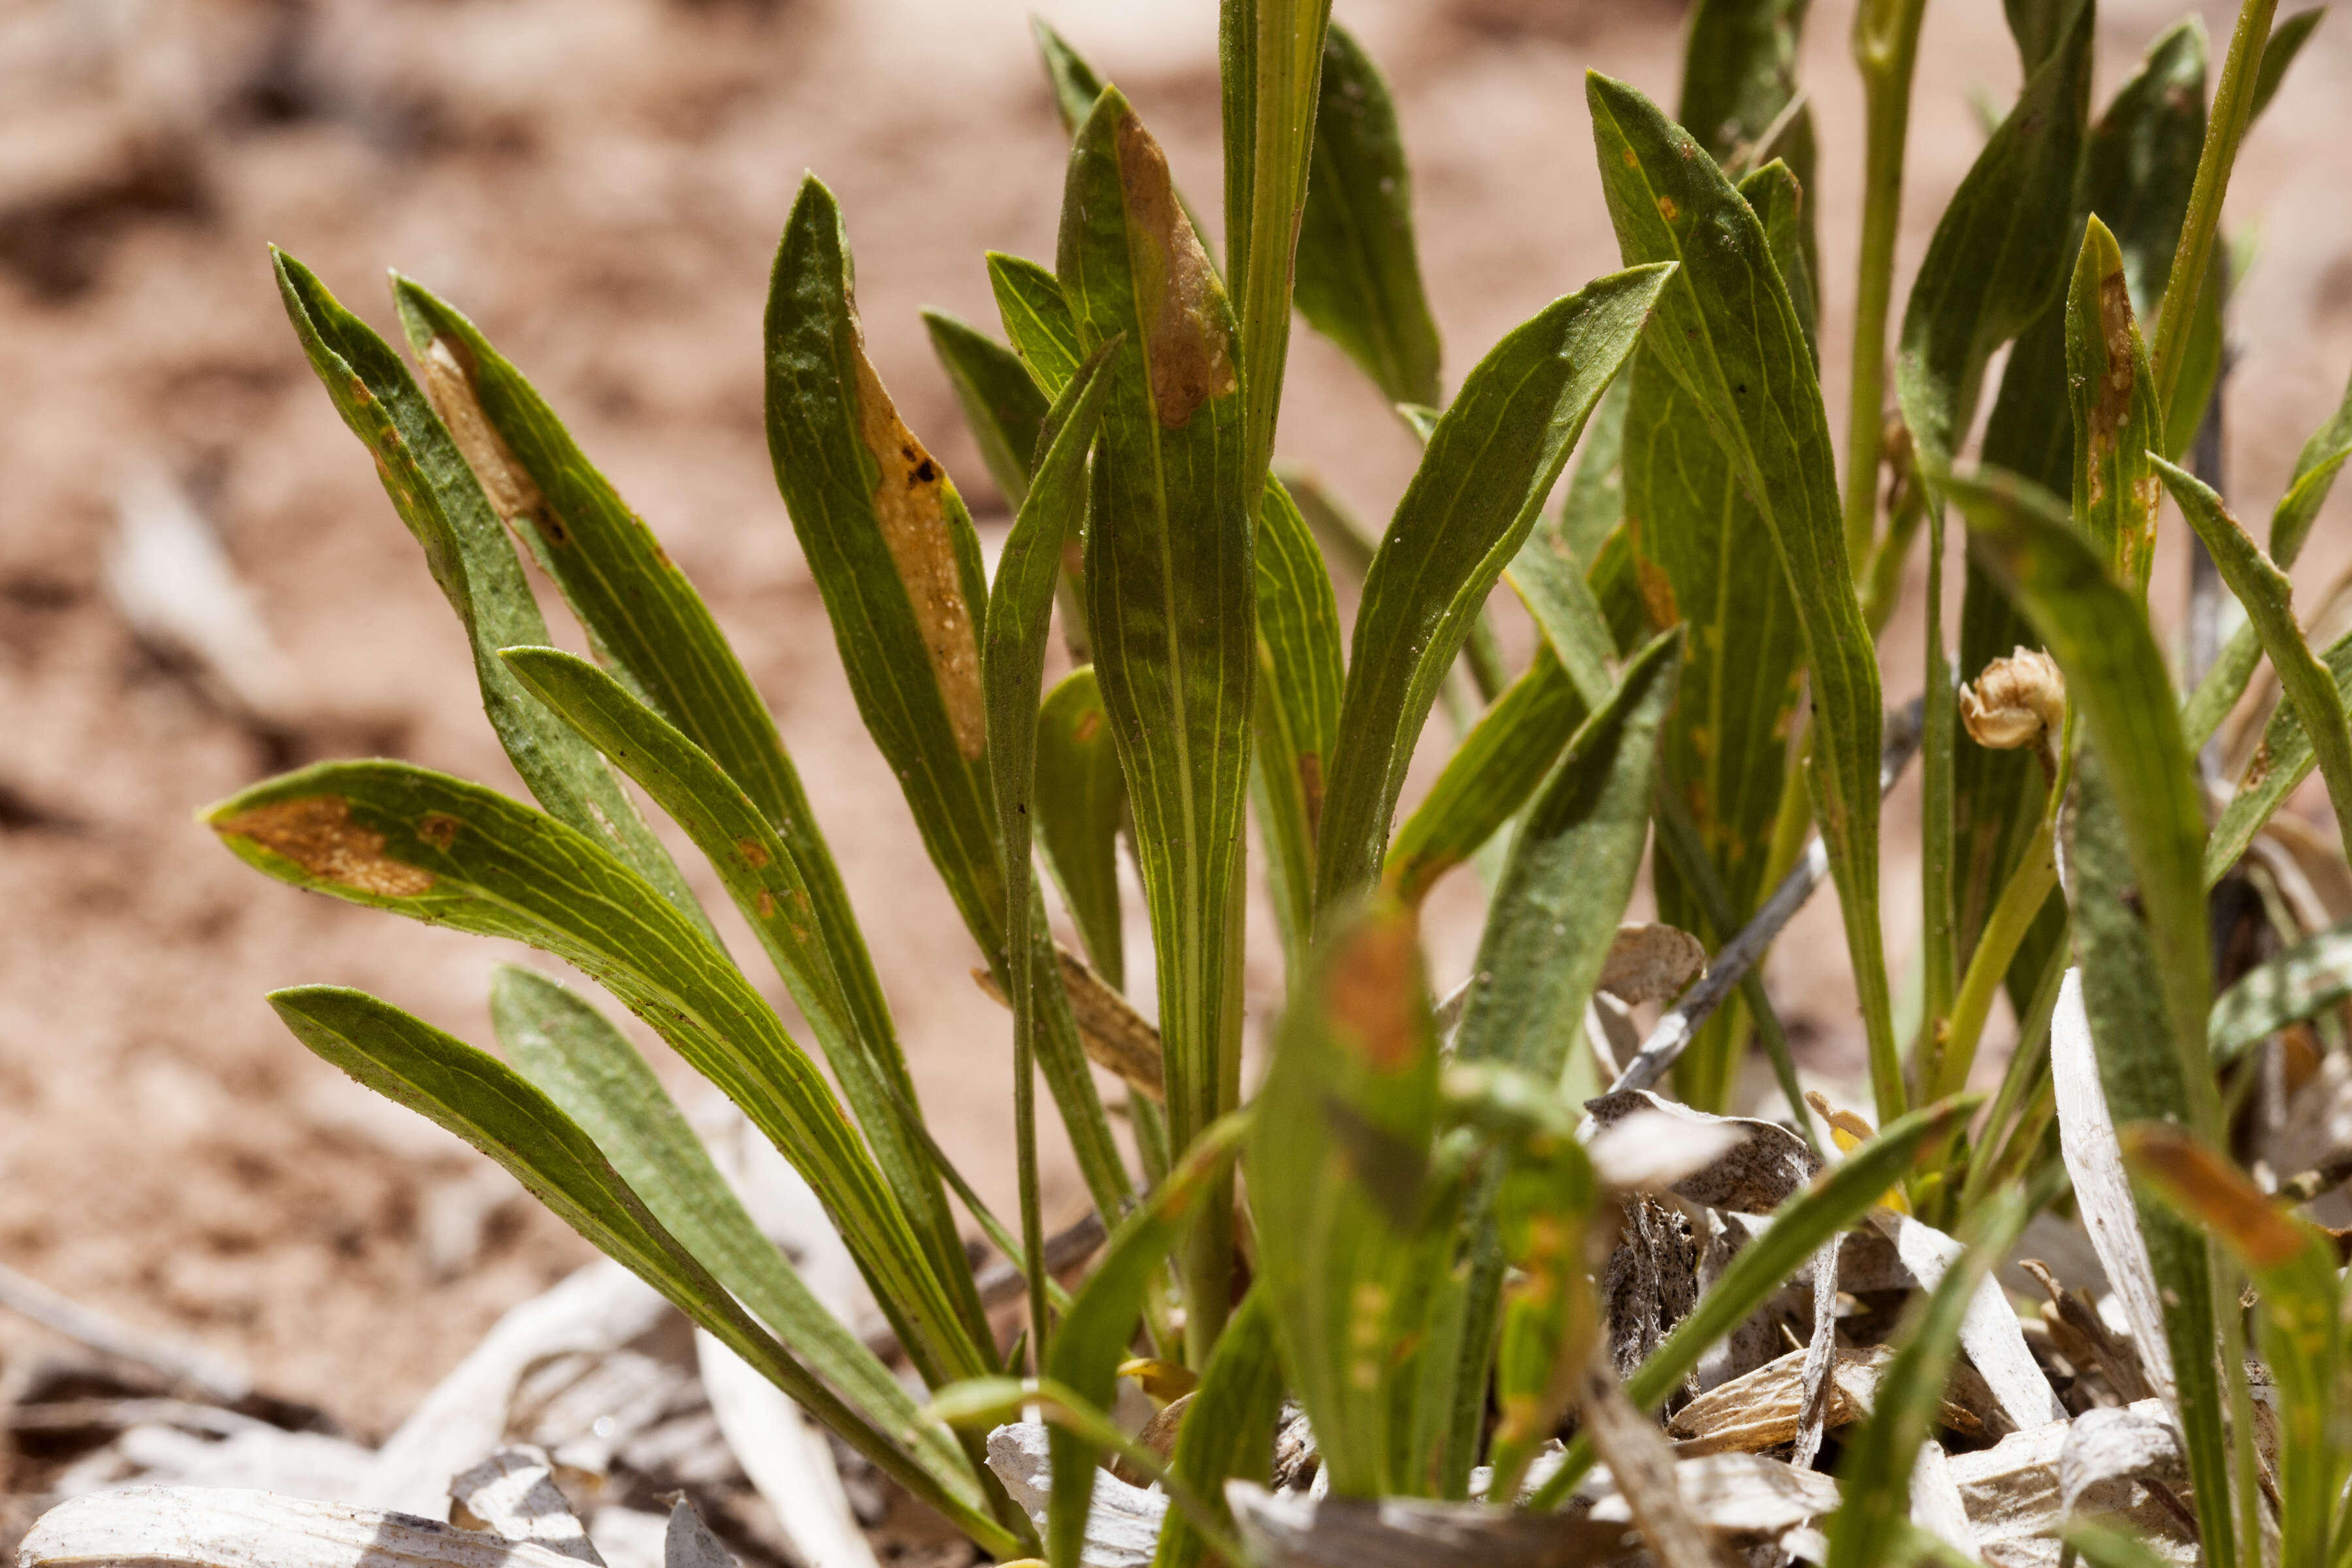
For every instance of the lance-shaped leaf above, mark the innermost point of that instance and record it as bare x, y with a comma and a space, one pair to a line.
1270, 66
498, 1111
1081, 800
2315, 468
1036, 318
2282, 761
1985, 276
1102, 1319
1988, 270
1227, 1432
1075, 86
892, 551
399, 838
2294, 1266
895, 556
1492, 459
1876, 1481
578, 1060
1573, 866
1338, 1159
2113, 400
1495, 771
2304, 982
1729, 334
765, 881
1740, 73
1001, 400
1013, 675
1358, 279
1171, 586
1832, 1202
2142, 1079
1298, 686
424, 472
2115, 680
645, 619
2269, 599
1699, 540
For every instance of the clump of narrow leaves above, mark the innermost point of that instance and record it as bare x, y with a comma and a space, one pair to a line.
1460, 1280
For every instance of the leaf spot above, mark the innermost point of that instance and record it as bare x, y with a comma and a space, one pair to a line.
438, 828
753, 852
1186, 327
317, 833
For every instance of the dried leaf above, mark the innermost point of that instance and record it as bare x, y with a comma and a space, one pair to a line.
513, 1494
1760, 1410
191, 1527
1989, 1333
1734, 1163
1289, 1530
1651, 963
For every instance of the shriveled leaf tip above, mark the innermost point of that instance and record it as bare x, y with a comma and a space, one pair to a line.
1186, 328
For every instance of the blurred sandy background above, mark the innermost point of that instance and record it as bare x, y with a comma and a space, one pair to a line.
599, 183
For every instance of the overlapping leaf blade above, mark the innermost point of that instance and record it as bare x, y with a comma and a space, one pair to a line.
445, 506
1000, 398
1729, 334
578, 1060
1171, 584
766, 883
500, 1113
420, 844
1491, 461
2283, 760
1228, 1429
2113, 400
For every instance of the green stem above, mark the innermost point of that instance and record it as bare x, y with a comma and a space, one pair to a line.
2013, 916
1886, 47
2225, 128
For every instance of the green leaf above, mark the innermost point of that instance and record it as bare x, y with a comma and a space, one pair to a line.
1013, 675
1729, 334
2116, 492
1876, 1478
1102, 1316
2282, 761
1739, 72
1594, 503
1835, 1200
1172, 588
2323, 457
1036, 318
2115, 681
1338, 1159
2293, 1266
399, 838
2304, 982
594, 1075
2286, 42
645, 621
2144, 1077
2269, 600
1988, 270
1491, 461
1358, 279
1000, 399
1543, 1213
2142, 158
765, 881
1298, 685
1081, 800
1570, 874
1726, 751
893, 554
498, 1111
1228, 1429
2106, 1546
1270, 54
1489, 777
1075, 86
438, 498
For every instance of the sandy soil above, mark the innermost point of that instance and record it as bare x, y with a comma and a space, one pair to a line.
599, 183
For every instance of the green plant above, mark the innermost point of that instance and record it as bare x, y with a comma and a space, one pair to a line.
1427, 1220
